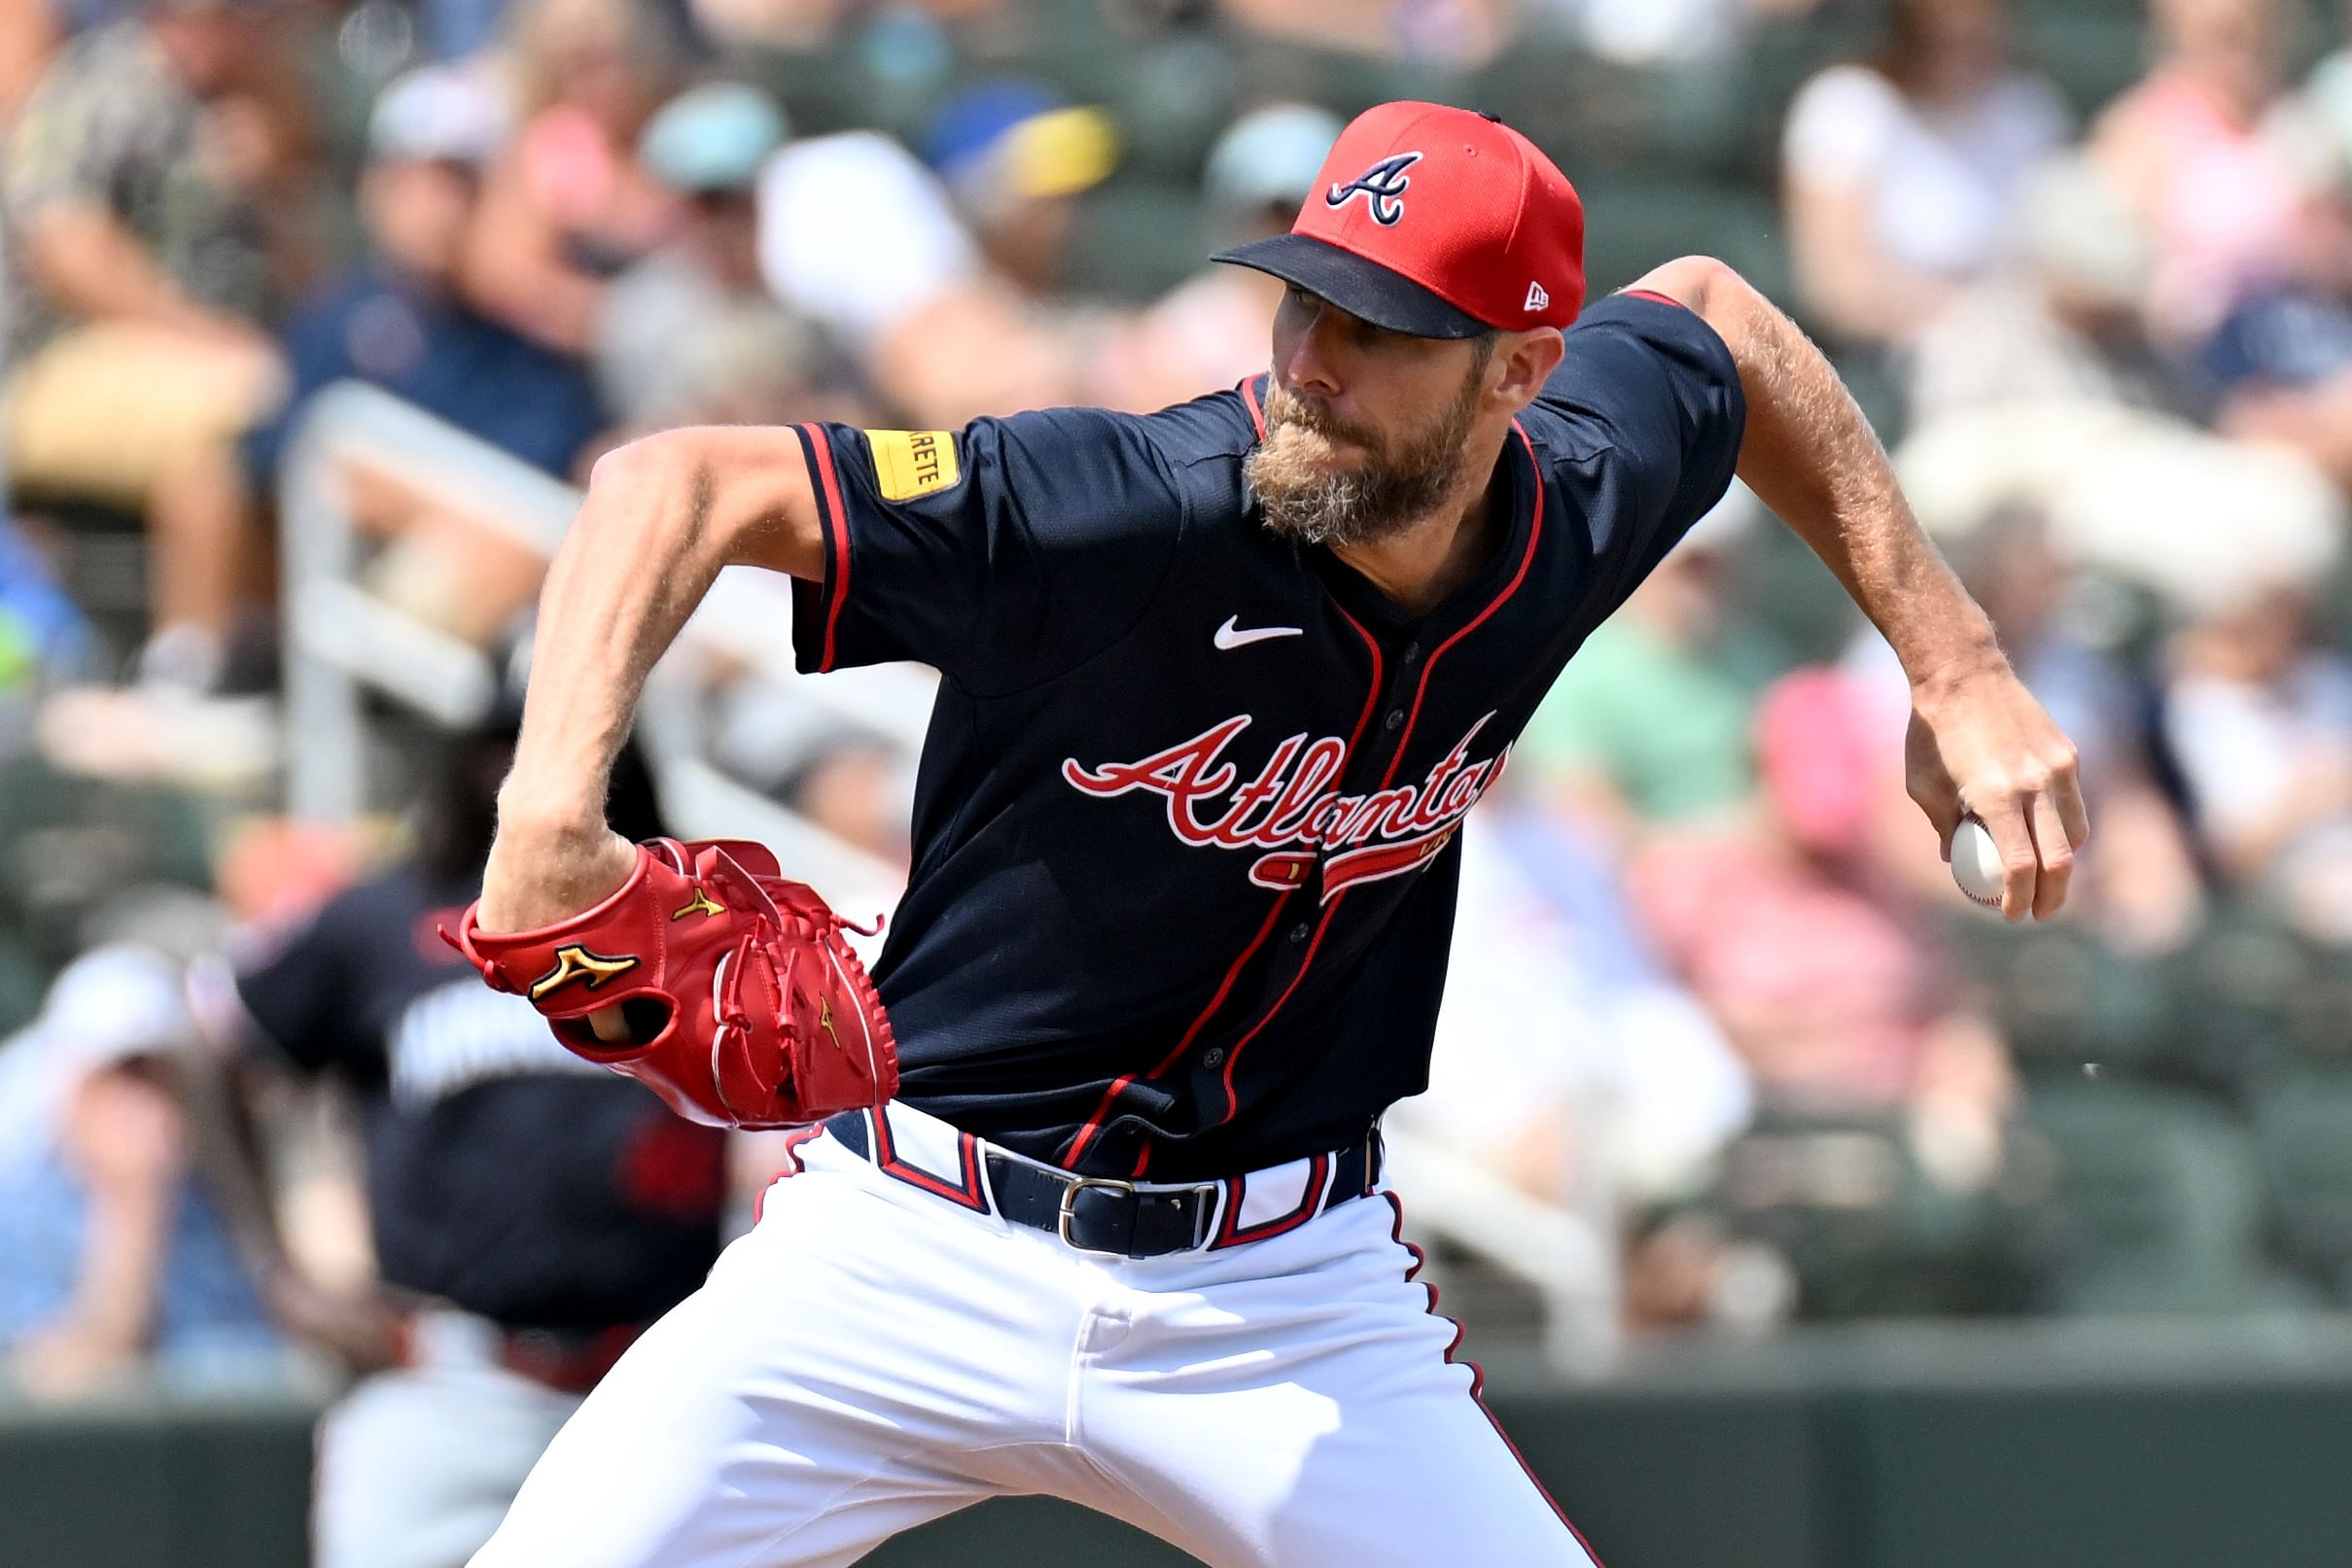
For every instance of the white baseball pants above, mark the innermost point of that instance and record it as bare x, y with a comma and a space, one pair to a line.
871, 1356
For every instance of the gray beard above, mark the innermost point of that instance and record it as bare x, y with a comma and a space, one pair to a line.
1371, 504
1383, 497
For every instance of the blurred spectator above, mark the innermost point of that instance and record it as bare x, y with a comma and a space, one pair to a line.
398, 322
116, 1251
1211, 330
1567, 1059
1457, 33
137, 268
1015, 157
942, 283
531, 1212
567, 204
859, 790
28, 36
910, 36
2281, 367
690, 335
2259, 716
1811, 956
2197, 151
1668, 32
843, 780
1650, 723
856, 234
2141, 889
38, 621
1903, 172
2278, 361
2319, 121
2062, 324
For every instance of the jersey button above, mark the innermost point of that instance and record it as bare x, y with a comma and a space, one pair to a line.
1412, 652
1397, 717
1213, 1056
1298, 932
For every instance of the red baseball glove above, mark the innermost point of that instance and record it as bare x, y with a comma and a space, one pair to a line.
746, 1006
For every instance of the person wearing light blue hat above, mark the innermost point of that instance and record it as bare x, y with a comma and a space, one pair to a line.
713, 138
1263, 166
690, 335
1210, 331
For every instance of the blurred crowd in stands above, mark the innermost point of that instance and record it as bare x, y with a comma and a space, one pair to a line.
2088, 264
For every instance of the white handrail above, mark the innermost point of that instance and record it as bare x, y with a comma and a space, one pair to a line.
341, 639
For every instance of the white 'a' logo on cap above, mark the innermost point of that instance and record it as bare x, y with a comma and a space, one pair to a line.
1536, 298
1382, 186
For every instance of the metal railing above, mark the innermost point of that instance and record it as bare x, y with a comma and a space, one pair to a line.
342, 642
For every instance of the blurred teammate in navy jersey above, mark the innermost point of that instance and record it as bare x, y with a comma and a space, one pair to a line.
531, 1212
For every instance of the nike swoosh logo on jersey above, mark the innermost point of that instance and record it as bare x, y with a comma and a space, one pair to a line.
1230, 636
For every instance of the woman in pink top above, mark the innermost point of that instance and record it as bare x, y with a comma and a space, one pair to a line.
2196, 148
1903, 171
567, 205
1810, 951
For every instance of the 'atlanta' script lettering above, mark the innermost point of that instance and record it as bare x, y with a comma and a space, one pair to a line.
1291, 805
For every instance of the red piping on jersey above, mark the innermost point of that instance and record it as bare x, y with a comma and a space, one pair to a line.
837, 529
791, 1151
1371, 697
1233, 1058
1257, 415
1652, 294
1311, 1203
1526, 559
1094, 1126
1120, 1086
1420, 690
969, 1195
1478, 1377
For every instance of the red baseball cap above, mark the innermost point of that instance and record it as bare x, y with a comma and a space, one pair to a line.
1436, 221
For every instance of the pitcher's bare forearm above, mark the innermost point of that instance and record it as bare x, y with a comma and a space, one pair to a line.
1979, 743
1811, 457
661, 516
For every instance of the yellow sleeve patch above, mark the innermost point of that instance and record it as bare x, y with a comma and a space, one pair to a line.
911, 462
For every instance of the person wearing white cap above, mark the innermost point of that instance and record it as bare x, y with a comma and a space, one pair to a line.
115, 1252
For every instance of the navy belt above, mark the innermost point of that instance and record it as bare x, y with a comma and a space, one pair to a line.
1127, 1219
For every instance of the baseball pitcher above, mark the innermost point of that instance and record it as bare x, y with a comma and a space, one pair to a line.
1089, 1198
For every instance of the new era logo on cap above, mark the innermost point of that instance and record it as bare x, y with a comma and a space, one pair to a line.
1487, 213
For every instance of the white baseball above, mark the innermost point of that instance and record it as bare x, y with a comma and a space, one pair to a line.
1976, 862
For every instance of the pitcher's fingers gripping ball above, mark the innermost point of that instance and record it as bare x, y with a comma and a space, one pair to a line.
746, 1006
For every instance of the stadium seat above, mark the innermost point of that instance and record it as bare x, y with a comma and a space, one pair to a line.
2061, 1000
1846, 1202
2302, 1127
2159, 1199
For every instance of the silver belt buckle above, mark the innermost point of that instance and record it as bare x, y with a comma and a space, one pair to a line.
1069, 1201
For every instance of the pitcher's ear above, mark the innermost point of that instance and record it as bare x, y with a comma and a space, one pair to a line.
1529, 359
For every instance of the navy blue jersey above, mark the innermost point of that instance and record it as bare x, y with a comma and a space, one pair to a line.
505, 1175
1184, 871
